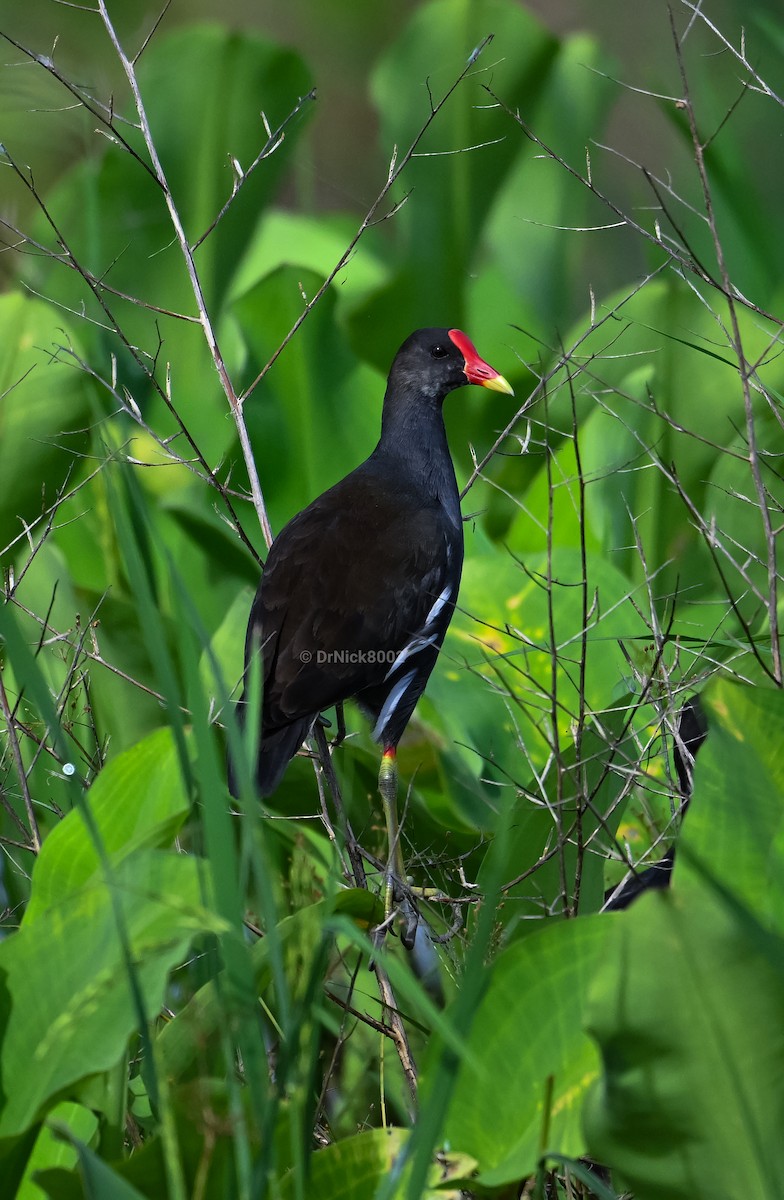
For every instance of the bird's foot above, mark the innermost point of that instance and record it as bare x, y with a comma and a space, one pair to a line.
340, 720
407, 914
400, 913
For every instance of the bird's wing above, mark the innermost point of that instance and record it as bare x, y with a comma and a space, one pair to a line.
346, 589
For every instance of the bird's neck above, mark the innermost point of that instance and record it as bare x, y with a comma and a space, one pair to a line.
413, 443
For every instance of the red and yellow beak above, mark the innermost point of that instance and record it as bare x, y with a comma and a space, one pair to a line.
476, 369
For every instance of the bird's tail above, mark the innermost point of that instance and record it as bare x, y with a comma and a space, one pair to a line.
277, 748
276, 751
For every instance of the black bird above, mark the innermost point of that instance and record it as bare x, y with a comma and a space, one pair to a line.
359, 588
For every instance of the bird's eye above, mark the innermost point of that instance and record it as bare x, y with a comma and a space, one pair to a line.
438, 352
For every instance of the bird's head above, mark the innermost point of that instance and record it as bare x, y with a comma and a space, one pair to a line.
435, 361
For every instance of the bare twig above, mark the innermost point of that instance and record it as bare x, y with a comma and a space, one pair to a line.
758, 84
186, 250
274, 140
21, 773
567, 358
744, 369
96, 288
674, 254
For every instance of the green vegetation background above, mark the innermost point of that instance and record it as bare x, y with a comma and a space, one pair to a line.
186, 1003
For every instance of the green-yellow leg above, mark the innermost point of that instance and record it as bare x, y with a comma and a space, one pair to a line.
387, 785
396, 870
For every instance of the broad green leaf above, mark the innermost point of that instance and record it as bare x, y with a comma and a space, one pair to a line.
362, 906
350, 1169
212, 536
609, 453
204, 1130
742, 207
70, 1007
125, 712
59, 1184
534, 1060
138, 801
733, 509
550, 508
687, 1016
581, 804
44, 407
100, 1182
52, 1150
529, 227
207, 86
313, 244
735, 824
227, 647
463, 158
15, 1151
46, 589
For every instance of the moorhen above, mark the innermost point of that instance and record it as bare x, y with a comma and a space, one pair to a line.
359, 588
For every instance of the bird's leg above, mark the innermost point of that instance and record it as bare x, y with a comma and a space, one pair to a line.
340, 732
395, 872
387, 785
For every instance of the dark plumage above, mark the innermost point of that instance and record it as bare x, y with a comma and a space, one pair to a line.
359, 588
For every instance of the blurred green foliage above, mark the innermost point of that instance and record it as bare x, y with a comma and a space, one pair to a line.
182, 981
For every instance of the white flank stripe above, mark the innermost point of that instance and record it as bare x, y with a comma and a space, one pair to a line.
421, 642
416, 644
391, 702
443, 599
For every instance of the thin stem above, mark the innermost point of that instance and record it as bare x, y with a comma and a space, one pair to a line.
193, 275
16, 751
675, 256
744, 368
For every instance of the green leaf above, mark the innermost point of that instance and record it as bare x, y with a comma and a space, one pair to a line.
212, 536
687, 1015
687, 1010
125, 712
742, 206
313, 244
14, 1151
499, 644
138, 801
70, 1006
360, 905
732, 507
100, 1181
450, 186
661, 353
206, 86
227, 649
52, 1150
350, 1169
536, 1062
735, 825
184, 1043
529, 226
